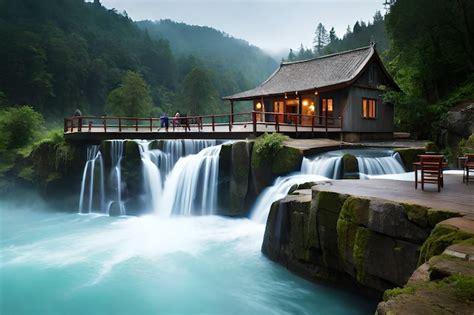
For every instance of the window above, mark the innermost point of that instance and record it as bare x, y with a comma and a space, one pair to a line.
368, 108
328, 104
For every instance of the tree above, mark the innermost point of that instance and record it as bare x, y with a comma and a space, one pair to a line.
320, 38
357, 28
199, 96
332, 35
291, 56
19, 126
378, 17
132, 98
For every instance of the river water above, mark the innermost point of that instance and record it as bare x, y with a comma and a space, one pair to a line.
63, 263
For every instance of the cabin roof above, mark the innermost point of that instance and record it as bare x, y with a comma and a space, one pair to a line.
325, 71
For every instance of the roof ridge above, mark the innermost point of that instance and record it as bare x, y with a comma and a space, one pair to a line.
285, 63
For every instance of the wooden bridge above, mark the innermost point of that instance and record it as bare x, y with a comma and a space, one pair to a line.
224, 126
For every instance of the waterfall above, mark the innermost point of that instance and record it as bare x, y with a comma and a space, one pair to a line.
116, 154
89, 178
191, 187
277, 191
389, 164
151, 173
327, 166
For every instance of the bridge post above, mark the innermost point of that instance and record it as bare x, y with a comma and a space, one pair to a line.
151, 124
326, 121
296, 125
120, 124
213, 124
230, 122
79, 124
105, 123
254, 122
277, 122
136, 124
312, 126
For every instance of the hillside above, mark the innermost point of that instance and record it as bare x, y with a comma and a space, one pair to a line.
220, 52
60, 55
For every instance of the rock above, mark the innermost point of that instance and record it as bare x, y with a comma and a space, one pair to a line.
350, 167
445, 265
436, 215
286, 161
390, 219
421, 273
446, 233
132, 176
223, 179
459, 122
417, 214
239, 179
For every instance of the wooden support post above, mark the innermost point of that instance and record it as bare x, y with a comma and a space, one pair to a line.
254, 122
342, 124
151, 124
326, 120
79, 124
72, 124
65, 125
90, 126
232, 111
230, 123
312, 126
120, 124
296, 125
277, 122
136, 124
105, 124
213, 124
300, 111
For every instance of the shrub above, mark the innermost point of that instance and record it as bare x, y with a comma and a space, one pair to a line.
19, 126
267, 146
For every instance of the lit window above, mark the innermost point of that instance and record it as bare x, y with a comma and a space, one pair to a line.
327, 103
368, 108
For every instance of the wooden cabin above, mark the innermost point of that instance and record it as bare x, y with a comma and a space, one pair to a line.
347, 85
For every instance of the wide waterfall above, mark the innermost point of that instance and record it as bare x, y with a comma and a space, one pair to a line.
327, 166
191, 187
385, 162
190, 167
92, 181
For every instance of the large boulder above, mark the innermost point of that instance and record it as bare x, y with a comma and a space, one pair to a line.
239, 179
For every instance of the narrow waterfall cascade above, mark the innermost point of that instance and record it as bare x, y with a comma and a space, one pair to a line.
327, 166
391, 163
191, 187
277, 191
92, 180
116, 154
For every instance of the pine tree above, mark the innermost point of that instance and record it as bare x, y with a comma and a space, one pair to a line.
320, 39
332, 35
357, 28
291, 56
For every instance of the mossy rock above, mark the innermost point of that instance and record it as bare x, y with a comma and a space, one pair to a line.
417, 214
437, 215
358, 255
350, 166
330, 201
287, 160
356, 210
409, 155
440, 238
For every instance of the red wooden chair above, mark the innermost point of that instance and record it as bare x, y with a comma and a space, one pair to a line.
431, 170
468, 168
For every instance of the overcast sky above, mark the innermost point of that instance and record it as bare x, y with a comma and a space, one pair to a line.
273, 25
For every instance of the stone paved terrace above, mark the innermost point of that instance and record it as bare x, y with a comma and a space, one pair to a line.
455, 196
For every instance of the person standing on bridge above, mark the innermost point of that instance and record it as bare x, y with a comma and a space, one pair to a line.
164, 121
176, 120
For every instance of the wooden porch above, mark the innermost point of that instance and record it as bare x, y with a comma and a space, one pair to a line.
223, 126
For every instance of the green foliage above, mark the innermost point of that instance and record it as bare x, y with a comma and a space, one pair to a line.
391, 293
131, 99
467, 146
199, 96
19, 126
266, 147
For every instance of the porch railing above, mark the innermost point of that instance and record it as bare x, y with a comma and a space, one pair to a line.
210, 123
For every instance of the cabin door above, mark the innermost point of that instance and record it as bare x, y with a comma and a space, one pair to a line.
326, 108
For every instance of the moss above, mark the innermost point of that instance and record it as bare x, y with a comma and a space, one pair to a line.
240, 160
350, 166
440, 238
409, 155
346, 233
265, 147
390, 294
287, 160
462, 285
417, 214
436, 215
355, 209
360, 245
330, 201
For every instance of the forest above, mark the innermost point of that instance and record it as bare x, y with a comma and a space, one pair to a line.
64, 55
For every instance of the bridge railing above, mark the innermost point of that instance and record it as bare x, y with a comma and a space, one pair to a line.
286, 122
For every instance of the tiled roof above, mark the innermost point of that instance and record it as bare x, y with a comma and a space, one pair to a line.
312, 74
